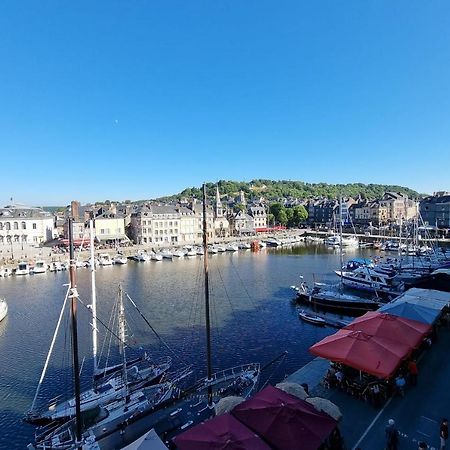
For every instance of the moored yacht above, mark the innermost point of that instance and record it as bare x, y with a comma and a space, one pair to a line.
104, 259
120, 260
23, 268
40, 266
367, 279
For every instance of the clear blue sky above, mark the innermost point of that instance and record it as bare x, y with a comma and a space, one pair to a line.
136, 99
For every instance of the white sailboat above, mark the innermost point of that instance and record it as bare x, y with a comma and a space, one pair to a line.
111, 382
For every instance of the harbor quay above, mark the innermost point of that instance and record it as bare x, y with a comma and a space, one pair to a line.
417, 414
11, 256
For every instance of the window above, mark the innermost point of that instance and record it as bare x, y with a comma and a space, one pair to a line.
16, 225
1, 226
24, 226
34, 226
7, 226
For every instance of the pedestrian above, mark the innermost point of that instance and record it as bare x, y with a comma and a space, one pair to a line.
443, 433
391, 435
400, 384
413, 372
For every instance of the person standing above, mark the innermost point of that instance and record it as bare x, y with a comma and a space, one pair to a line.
413, 372
443, 433
391, 435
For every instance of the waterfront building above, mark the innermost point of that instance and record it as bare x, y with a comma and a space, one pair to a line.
399, 207
155, 224
110, 227
259, 215
21, 225
435, 210
241, 223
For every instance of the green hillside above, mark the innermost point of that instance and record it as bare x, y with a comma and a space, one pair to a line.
272, 190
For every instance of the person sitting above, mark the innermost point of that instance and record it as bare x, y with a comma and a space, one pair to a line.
340, 378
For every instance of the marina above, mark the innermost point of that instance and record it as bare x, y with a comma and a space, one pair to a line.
264, 311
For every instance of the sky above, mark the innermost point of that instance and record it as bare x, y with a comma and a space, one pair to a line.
137, 99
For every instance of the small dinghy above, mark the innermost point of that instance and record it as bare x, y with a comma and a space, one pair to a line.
311, 318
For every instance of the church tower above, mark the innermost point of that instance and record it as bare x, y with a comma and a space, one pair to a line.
219, 208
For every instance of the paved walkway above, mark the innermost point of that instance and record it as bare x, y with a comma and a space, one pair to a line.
417, 415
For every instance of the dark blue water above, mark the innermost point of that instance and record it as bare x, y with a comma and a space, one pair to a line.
252, 316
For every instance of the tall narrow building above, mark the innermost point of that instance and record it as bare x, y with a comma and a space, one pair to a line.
219, 208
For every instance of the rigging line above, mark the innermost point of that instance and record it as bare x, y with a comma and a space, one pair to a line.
195, 308
255, 304
101, 322
51, 349
104, 340
154, 331
226, 294
281, 359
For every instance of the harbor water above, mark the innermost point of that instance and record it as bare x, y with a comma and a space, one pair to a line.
252, 316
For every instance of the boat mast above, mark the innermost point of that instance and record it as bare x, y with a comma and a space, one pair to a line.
122, 337
94, 299
341, 256
73, 295
208, 323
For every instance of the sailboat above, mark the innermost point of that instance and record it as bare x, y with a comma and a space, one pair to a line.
108, 383
83, 429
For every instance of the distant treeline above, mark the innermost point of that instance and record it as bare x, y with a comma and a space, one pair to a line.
274, 190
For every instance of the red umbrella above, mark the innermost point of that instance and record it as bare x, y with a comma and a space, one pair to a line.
285, 421
407, 331
371, 354
223, 432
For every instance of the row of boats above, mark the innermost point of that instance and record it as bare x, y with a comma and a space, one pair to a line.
366, 283
105, 259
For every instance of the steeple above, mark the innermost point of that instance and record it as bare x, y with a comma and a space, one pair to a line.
219, 209
242, 200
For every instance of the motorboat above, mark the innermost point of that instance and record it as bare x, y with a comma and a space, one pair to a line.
367, 279
232, 247
190, 251
55, 266
120, 260
311, 318
23, 268
178, 253
5, 272
141, 257
212, 249
3, 309
156, 256
244, 246
332, 298
221, 248
347, 241
104, 259
167, 254
40, 266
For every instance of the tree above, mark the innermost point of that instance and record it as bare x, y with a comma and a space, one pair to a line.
282, 217
290, 217
300, 214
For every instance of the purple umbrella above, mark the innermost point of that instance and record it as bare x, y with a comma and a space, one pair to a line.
285, 421
221, 433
